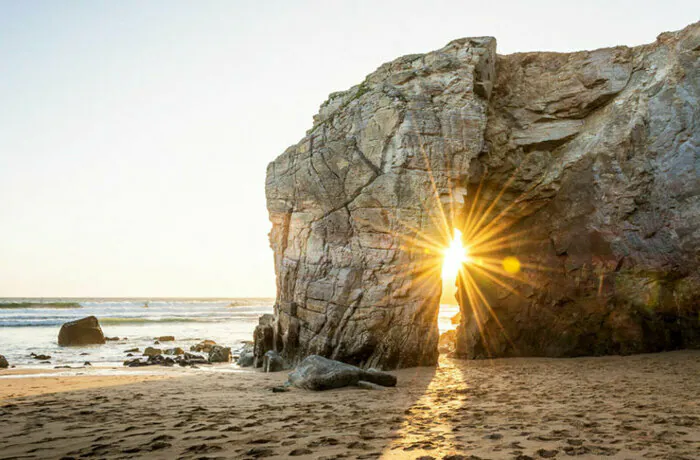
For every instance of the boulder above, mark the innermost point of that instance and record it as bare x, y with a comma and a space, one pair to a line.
318, 373
3, 362
165, 338
273, 362
85, 331
219, 354
150, 351
246, 357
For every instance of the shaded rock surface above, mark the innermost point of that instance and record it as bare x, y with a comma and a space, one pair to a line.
588, 165
3, 362
85, 331
318, 373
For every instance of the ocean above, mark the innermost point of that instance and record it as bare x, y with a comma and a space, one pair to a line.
26, 329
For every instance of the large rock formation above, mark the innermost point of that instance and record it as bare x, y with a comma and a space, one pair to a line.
588, 164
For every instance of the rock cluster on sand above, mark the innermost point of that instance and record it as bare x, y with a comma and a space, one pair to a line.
596, 155
318, 373
186, 359
3, 363
85, 331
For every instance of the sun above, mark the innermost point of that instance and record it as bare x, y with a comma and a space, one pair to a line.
454, 256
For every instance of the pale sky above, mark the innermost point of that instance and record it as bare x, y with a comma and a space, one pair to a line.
134, 135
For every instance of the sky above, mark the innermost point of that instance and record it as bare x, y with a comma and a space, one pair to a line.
134, 135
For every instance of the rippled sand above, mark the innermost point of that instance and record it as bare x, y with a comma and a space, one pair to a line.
645, 406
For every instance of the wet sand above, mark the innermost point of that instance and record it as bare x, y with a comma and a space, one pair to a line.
645, 406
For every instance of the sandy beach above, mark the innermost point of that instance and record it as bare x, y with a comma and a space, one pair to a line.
643, 406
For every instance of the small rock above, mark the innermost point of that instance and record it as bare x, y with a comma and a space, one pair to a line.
41, 357
300, 451
87, 363
246, 357
136, 362
165, 338
203, 346
273, 362
219, 354
111, 339
132, 350
150, 351
544, 453
280, 389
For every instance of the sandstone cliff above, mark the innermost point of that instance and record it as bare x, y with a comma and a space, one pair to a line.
583, 166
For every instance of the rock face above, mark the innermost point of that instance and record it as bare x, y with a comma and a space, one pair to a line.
580, 168
85, 331
3, 362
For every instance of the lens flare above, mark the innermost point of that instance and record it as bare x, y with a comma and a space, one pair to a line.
511, 265
455, 255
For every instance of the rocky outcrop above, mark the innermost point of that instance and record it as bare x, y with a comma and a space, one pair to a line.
3, 362
85, 331
580, 167
318, 373
263, 339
